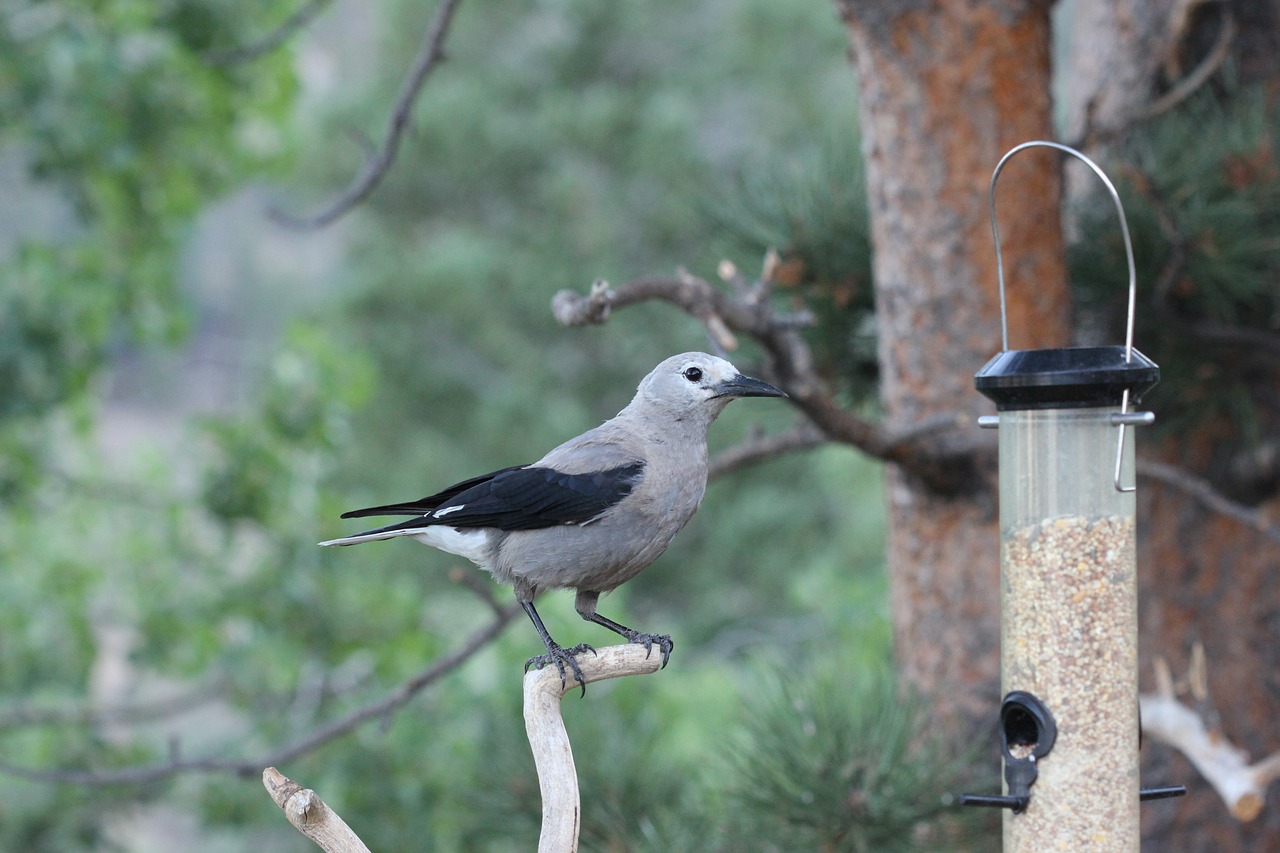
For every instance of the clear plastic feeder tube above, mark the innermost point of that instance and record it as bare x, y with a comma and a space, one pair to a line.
1069, 632
1068, 586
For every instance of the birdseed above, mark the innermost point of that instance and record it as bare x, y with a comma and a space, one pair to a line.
1069, 637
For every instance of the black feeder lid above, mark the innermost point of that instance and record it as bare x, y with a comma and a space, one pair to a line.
1066, 378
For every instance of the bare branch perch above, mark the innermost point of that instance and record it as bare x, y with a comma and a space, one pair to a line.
552, 754
429, 57
309, 814
1241, 785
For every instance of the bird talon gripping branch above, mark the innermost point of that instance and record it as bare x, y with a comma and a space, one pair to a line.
595, 511
664, 644
560, 656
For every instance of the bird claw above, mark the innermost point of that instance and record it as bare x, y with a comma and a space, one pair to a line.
559, 656
662, 641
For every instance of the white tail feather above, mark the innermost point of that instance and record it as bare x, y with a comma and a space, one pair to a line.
371, 537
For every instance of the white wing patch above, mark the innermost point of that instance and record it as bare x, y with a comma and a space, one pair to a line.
441, 513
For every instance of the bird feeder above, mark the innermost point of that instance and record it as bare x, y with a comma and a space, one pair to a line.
1068, 724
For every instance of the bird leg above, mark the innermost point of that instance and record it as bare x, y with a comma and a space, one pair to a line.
585, 604
556, 653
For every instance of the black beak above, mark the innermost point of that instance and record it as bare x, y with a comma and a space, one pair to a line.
745, 386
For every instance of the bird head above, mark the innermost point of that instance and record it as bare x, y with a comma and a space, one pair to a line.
695, 383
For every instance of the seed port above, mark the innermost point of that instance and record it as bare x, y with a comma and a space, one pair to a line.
1027, 729
1027, 733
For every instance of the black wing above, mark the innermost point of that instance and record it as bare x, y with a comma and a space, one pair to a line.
520, 499
422, 506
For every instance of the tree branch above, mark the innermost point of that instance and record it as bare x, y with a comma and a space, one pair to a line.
1241, 785
303, 16
802, 436
309, 814
135, 714
750, 312
552, 754
177, 763
1186, 87
430, 55
1209, 497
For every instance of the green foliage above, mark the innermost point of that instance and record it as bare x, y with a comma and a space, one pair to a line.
114, 112
838, 761
1204, 212
265, 461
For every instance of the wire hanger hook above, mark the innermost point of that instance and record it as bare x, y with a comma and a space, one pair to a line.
1121, 419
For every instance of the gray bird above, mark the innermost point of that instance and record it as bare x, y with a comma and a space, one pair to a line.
595, 511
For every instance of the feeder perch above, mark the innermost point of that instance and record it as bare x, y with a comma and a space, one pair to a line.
1068, 589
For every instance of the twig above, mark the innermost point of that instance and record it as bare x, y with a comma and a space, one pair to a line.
1214, 60
1258, 341
176, 764
802, 436
135, 714
303, 16
1241, 785
309, 814
1199, 489
430, 55
1178, 93
552, 754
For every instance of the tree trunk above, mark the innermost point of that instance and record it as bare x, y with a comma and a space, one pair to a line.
946, 88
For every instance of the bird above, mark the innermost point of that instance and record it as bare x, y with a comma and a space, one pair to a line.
593, 512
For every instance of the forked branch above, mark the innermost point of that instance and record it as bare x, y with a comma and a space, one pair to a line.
552, 755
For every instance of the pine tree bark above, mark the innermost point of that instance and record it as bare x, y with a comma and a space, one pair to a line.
946, 88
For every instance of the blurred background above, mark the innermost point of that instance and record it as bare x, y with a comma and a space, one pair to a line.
193, 387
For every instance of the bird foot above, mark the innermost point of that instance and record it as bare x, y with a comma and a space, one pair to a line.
560, 656
662, 641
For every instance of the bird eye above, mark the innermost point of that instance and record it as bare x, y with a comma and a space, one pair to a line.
693, 374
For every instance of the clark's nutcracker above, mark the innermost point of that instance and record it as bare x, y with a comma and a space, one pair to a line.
595, 511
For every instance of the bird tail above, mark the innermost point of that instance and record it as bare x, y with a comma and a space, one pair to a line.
391, 531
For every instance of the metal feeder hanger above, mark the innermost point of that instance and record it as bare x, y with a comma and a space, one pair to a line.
1068, 582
